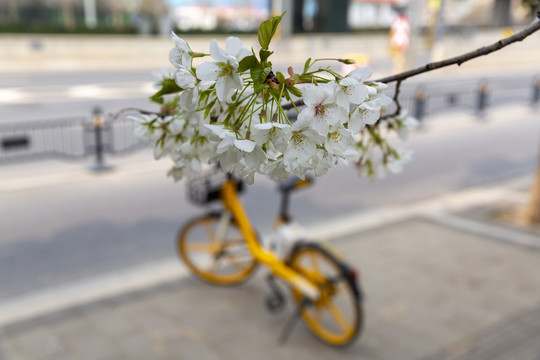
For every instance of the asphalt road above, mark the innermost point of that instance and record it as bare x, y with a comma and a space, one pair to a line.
58, 234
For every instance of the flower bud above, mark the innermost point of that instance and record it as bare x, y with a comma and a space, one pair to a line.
347, 61
197, 54
290, 81
290, 70
272, 84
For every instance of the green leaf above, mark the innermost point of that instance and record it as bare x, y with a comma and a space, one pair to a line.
259, 74
208, 108
307, 65
247, 63
280, 77
294, 90
267, 29
168, 86
265, 54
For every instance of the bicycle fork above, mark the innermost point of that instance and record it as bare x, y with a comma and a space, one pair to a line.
277, 266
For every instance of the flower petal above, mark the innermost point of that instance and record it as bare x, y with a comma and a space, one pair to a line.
216, 52
245, 145
216, 129
222, 89
361, 73
184, 78
313, 95
208, 71
179, 42
234, 81
233, 45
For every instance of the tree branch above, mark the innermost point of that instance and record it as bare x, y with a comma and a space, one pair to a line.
520, 36
290, 105
117, 114
535, 26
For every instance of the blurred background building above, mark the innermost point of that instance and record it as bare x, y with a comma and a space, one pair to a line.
161, 16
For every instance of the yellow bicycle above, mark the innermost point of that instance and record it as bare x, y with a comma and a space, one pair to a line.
222, 247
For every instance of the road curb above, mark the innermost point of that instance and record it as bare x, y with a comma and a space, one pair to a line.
91, 290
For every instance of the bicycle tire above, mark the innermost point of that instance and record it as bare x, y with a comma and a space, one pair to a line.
230, 261
337, 322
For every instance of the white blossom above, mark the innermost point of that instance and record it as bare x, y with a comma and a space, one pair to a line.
180, 55
350, 91
222, 71
184, 78
321, 109
395, 163
216, 118
233, 46
275, 133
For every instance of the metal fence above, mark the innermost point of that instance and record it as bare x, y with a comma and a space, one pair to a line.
67, 139
424, 102
82, 137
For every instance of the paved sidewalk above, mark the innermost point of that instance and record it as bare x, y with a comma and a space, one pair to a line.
434, 291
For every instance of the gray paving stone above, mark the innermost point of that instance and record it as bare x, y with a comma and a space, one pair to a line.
40, 343
136, 346
9, 350
428, 288
107, 321
84, 341
514, 338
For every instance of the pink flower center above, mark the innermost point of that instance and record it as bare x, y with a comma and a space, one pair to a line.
320, 109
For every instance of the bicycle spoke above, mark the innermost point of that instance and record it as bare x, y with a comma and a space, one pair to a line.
233, 242
314, 262
198, 247
233, 259
318, 313
210, 232
338, 316
214, 263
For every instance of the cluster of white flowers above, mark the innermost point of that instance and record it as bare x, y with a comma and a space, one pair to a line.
231, 110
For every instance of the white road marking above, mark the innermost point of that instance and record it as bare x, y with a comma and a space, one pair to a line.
492, 231
88, 291
11, 95
48, 94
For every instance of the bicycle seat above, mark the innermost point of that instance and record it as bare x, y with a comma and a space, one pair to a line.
295, 183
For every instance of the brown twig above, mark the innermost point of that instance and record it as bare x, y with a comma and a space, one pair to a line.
290, 105
458, 60
396, 100
133, 109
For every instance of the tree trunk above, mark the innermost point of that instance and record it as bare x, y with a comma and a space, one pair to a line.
68, 15
502, 13
532, 213
13, 11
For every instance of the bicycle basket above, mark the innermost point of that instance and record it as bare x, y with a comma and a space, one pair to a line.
206, 188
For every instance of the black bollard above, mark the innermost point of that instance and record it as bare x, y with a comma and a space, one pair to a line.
97, 123
482, 99
420, 99
536, 92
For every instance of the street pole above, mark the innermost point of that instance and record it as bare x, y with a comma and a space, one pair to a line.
90, 14
413, 12
98, 122
438, 48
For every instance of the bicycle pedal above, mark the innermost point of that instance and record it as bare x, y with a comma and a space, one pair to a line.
275, 301
274, 304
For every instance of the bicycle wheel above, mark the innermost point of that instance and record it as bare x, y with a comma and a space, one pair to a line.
336, 318
213, 248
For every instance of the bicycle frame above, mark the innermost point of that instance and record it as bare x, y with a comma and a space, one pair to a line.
276, 265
